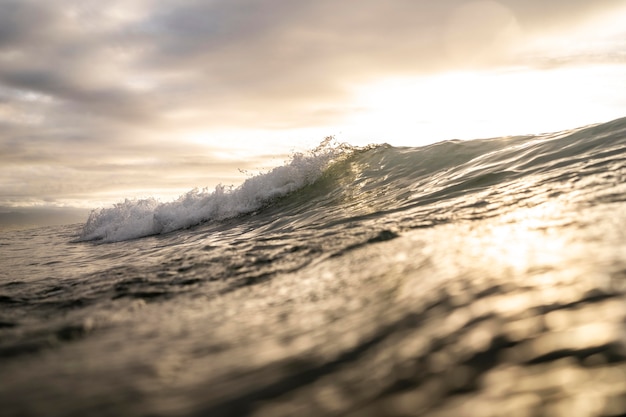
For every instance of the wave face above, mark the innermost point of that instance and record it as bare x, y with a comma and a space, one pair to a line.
446, 181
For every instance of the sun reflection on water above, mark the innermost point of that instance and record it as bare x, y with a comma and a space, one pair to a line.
530, 307
524, 242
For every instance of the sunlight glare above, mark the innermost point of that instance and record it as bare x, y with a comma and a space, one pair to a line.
465, 105
524, 240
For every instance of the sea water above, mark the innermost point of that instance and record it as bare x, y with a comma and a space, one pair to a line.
475, 278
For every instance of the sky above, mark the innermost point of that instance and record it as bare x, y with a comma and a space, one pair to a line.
102, 101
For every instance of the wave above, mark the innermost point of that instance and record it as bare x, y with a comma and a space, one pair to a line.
144, 217
339, 182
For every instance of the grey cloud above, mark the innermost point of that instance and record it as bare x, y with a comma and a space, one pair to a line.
24, 21
239, 39
79, 63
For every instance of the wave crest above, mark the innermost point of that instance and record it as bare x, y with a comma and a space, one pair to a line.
143, 217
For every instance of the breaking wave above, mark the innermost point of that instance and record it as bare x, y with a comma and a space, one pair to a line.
452, 179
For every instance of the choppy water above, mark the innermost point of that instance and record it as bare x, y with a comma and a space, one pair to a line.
474, 278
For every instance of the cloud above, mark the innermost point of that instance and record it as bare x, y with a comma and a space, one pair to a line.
231, 59
86, 84
18, 19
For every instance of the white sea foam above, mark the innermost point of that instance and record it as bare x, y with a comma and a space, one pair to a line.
136, 218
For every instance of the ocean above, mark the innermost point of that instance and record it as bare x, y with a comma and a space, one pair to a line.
464, 278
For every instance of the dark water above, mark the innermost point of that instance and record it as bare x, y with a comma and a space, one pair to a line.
477, 278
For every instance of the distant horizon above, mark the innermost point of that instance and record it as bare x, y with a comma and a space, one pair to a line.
25, 218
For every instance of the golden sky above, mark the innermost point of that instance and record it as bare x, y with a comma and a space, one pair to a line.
100, 101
